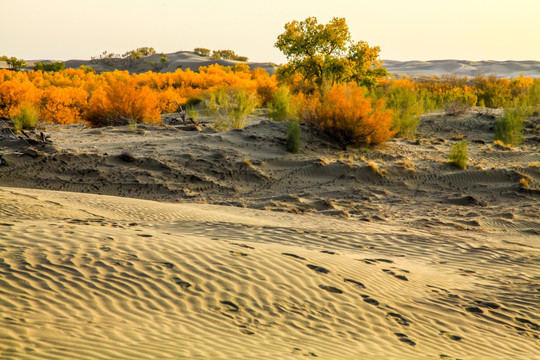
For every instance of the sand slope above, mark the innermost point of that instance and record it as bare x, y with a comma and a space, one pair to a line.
95, 277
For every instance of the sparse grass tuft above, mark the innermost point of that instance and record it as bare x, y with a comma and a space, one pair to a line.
500, 145
458, 154
27, 118
247, 163
373, 166
230, 107
509, 128
293, 137
408, 165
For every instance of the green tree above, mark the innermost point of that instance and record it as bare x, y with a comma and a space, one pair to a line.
13, 62
325, 54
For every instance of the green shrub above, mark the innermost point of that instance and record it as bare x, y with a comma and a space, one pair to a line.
293, 137
163, 59
27, 118
202, 51
52, 66
407, 105
509, 128
458, 154
230, 107
281, 107
227, 55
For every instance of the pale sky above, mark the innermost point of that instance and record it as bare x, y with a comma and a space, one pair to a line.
404, 29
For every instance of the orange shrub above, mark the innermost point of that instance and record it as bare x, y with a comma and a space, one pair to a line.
63, 105
348, 116
120, 102
13, 94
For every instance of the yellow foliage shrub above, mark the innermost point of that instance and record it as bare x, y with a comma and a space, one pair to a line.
120, 102
63, 105
347, 115
13, 94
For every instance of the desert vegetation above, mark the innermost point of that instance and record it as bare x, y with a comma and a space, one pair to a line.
330, 82
458, 154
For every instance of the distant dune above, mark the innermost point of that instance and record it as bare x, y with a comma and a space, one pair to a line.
177, 60
508, 69
190, 60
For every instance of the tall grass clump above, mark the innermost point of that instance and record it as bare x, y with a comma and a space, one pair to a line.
458, 154
27, 118
281, 107
346, 115
230, 107
509, 127
293, 137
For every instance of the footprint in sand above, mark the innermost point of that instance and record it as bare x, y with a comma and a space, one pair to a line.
331, 289
474, 309
450, 336
404, 338
183, 284
397, 276
398, 318
237, 253
244, 246
293, 256
357, 283
319, 269
370, 300
230, 305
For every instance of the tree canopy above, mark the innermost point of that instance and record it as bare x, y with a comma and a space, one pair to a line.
325, 54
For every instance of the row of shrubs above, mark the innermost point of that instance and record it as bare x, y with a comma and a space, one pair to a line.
76, 95
350, 114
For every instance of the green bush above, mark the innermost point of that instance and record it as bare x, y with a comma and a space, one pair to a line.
202, 51
406, 104
52, 66
230, 107
509, 128
281, 107
458, 154
227, 55
293, 137
27, 118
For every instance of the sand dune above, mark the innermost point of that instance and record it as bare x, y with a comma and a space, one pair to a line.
178, 60
508, 69
97, 277
408, 259
190, 60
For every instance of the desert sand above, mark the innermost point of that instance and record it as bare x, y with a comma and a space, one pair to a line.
157, 242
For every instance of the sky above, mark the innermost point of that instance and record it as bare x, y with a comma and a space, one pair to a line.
403, 29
